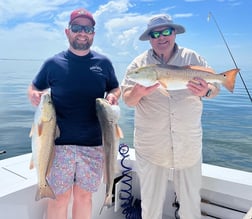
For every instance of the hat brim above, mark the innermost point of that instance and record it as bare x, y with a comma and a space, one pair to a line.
145, 36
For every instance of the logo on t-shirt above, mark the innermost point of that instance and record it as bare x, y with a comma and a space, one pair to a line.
96, 68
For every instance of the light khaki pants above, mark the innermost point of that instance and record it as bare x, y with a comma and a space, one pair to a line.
154, 181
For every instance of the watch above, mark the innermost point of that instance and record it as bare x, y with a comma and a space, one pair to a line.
208, 93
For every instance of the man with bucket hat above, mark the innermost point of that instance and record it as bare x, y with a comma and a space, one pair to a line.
168, 132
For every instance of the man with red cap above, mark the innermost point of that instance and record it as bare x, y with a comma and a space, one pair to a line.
76, 77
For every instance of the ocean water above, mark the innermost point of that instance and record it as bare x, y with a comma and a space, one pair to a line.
226, 120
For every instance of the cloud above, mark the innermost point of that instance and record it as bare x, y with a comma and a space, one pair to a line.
119, 28
25, 10
113, 8
35, 29
186, 15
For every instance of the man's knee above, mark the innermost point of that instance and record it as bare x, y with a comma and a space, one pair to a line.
81, 195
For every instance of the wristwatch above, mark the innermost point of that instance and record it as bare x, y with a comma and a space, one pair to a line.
208, 93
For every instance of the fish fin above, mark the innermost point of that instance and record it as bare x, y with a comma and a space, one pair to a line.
45, 192
164, 92
101, 209
200, 68
32, 130
161, 65
31, 164
40, 129
163, 82
57, 132
119, 132
230, 77
107, 202
163, 88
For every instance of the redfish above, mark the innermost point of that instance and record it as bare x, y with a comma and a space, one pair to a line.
108, 116
173, 77
43, 133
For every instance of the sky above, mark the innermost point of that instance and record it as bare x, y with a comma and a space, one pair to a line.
35, 29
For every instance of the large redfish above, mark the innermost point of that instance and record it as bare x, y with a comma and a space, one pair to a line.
173, 77
44, 131
108, 116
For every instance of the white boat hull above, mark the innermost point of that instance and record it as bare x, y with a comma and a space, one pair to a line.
226, 193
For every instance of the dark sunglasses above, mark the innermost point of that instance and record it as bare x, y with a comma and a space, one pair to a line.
166, 32
76, 28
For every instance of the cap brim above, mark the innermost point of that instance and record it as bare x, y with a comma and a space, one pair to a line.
145, 36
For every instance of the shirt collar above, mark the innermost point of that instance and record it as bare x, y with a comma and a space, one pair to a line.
154, 55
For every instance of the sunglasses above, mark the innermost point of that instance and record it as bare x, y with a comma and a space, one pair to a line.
166, 32
76, 28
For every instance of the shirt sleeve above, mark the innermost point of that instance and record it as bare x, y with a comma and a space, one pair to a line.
41, 79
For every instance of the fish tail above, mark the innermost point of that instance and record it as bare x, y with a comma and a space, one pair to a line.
44, 192
107, 202
230, 77
101, 209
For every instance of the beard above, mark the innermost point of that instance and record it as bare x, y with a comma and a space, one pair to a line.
81, 46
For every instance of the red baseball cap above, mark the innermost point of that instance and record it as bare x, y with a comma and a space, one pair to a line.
81, 12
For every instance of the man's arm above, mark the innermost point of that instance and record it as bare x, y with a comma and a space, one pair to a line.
34, 95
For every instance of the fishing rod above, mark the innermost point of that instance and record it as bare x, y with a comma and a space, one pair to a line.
210, 14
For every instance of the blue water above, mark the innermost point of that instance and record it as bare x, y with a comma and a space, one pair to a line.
227, 119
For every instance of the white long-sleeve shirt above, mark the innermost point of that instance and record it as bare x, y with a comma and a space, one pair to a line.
168, 129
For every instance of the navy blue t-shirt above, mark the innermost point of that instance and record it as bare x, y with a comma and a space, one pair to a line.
76, 82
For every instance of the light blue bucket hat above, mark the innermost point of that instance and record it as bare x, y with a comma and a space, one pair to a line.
160, 21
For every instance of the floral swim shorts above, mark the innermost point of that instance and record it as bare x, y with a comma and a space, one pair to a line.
79, 165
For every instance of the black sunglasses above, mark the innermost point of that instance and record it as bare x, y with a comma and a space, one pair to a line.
166, 32
77, 28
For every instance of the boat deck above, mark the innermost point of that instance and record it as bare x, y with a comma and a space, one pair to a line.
225, 192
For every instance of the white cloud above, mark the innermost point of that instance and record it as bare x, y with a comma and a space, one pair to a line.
186, 15
39, 28
35, 29
119, 28
27, 9
113, 8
